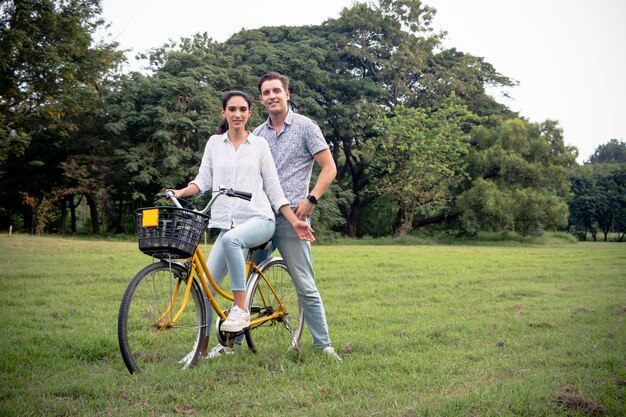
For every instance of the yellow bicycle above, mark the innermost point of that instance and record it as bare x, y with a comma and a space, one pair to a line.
163, 313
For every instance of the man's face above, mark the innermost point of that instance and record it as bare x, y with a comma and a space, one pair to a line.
274, 97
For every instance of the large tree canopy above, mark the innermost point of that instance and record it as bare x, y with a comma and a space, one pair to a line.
409, 123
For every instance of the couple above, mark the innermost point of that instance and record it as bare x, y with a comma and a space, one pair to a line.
274, 163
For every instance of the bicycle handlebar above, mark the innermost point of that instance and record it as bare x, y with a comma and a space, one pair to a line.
241, 194
221, 191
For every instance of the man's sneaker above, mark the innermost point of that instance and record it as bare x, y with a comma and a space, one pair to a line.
187, 359
236, 321
330, 351
219, 350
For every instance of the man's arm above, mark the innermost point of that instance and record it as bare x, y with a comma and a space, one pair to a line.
325, 160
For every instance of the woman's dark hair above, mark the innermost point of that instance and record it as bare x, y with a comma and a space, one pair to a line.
222, 126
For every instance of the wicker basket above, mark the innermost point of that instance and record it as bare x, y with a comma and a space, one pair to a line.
169, 232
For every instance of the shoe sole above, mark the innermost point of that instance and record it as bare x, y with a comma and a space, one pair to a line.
233, 329
219, 355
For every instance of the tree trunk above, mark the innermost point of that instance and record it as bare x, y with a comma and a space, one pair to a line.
73, 212
72, 219
404, 222
63, 214
606, 228
352, 219
593, 233
93, 211
120, 216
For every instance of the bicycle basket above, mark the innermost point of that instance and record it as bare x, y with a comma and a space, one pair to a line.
169, 232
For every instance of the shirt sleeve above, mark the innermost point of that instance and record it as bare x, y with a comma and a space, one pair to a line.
271, 184
315, 141
204, 179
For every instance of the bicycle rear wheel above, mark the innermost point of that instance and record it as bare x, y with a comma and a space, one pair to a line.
147, 337
284, 331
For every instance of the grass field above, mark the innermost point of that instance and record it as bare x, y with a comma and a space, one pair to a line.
426, 330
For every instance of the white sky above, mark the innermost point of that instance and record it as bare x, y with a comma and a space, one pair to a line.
569, 56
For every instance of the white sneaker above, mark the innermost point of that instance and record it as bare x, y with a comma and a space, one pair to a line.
218, 351
236, 321
330, 351
187, 358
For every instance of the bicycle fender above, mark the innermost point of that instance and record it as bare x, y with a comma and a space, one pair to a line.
268, 260
185, 266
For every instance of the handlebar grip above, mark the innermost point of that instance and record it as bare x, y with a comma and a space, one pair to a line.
241, 194
244, 195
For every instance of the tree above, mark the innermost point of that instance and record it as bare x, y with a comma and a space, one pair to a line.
50, 71
599, 199
114, 141
599, 192
520, 181
418, 159
612, 152
583, 202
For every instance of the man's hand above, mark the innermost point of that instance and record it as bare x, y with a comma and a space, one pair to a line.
304, 231
304, 209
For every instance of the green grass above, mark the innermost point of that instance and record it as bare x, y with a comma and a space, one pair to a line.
480, 329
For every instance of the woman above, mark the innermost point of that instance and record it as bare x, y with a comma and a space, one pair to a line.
235, 158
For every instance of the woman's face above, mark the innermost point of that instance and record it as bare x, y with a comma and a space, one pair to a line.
236, 112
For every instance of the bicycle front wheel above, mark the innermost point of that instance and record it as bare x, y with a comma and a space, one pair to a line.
278, 313
149, 335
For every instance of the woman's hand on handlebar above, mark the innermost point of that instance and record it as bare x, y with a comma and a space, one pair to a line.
172, 192
190, 190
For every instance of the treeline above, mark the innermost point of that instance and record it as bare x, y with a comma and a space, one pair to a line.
417, 140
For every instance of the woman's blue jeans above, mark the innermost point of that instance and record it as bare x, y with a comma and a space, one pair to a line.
229, 252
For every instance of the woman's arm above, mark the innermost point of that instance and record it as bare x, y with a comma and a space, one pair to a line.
191, 189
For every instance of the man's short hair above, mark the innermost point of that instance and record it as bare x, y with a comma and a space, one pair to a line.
273, 76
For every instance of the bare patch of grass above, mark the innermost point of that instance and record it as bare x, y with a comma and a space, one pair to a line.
582, 404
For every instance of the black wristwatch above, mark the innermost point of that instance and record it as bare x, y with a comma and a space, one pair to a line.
311, 199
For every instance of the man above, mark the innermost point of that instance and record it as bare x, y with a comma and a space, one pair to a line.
297, 143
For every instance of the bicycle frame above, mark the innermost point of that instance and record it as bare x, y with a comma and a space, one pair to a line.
201, 270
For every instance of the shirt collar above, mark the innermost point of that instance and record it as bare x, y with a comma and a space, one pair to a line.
288, 119
225, 137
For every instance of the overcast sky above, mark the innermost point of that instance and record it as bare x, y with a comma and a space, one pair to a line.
569, 56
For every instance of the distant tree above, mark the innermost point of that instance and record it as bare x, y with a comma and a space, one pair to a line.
50, 73
599, 199
349, 72
583, 202
520, 181
612, 152
419, 158
115, 142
